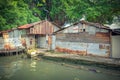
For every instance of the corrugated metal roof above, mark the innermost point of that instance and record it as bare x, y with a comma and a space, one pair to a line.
25, 26
40, 27
97, 25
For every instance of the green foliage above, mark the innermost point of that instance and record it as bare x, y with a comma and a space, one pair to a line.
101, 11
14, 13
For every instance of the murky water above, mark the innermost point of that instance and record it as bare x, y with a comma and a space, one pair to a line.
16, 68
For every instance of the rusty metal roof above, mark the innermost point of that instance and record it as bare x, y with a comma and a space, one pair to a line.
25, 26
98, 25
6, 31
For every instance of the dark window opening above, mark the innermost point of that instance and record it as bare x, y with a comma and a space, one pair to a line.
83, 30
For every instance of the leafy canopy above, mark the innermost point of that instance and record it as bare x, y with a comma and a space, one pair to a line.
18, 12
14, 13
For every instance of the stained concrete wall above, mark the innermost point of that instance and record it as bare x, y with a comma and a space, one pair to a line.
116, 46
92, 41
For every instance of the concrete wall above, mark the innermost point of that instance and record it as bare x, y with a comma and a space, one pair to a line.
116, 46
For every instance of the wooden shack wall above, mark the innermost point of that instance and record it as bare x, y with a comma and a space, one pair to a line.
44, 27
93, 41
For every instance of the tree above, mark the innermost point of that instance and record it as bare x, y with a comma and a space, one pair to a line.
101, 11
15, 13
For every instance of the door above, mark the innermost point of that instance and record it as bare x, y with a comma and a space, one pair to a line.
42, 42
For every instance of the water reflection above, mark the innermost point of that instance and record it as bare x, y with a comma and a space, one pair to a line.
8, 68
12, 68
76, 78
33, 66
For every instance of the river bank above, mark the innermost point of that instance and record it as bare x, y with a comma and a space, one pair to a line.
17, 68
78, 59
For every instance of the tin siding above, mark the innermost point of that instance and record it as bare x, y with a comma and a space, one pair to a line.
87, 48
84, 43
11, 40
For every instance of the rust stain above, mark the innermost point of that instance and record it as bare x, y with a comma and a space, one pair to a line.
8, 46
65, 50
101, 34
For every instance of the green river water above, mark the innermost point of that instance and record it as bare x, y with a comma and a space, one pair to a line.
17, 68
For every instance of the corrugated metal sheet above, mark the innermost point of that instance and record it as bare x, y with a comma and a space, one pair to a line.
83, 48
25, 26
84, 43
11, 40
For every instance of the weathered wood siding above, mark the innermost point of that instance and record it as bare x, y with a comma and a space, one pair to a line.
43, 27
92, 41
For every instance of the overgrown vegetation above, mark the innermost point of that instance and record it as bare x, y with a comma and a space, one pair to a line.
14, 13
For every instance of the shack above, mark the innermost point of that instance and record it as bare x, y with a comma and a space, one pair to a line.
84, 38
38, 34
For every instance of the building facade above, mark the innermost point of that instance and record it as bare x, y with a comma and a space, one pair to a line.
84, 38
